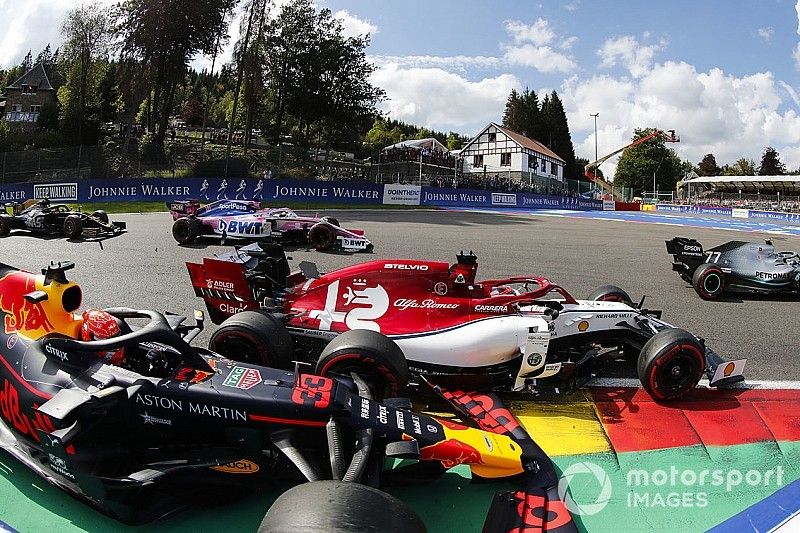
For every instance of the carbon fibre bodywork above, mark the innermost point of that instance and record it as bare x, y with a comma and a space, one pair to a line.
43, 218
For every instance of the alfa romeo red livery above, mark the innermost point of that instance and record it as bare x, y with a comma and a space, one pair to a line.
522, 333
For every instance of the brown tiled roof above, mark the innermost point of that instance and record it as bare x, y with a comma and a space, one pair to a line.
530, 144
36, 77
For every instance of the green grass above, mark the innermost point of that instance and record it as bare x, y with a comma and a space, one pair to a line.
153, 207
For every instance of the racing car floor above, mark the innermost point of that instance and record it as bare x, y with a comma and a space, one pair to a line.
145, 269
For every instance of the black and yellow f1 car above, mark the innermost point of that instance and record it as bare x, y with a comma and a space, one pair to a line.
138, 437
44, 218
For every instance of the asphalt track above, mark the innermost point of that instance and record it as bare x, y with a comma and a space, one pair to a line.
145, 268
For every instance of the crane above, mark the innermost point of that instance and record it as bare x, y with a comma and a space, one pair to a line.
668, 136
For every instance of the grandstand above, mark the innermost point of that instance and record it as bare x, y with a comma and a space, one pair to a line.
760, 192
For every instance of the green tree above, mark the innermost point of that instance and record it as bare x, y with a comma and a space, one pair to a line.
771, 163
742, 167
514, 114
560, 139
638, 164
708, 166
87, 39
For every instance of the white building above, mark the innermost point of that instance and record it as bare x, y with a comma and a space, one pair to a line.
498, 151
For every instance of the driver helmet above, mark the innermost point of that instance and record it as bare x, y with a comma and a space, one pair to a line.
99, 325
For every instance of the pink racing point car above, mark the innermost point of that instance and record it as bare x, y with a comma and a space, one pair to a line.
249, 220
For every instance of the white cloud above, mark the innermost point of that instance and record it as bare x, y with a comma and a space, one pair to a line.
572, 6
796, 56
568, 43
766, 33
532, 48
443, 100
459, 63
627, 50
797, 8
539, 33
712, 111
354, 26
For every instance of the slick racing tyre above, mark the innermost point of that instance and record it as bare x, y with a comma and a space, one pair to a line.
5, 225
322, 237
610, 293
671, 364
186, 230
339, 507
73, 227
374, 357
331, 220
101, 215
709, 281
253, 337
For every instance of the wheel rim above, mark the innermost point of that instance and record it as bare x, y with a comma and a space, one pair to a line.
712, 283
678, 372
240, 348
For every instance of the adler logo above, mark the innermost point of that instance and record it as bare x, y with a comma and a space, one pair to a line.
400, 266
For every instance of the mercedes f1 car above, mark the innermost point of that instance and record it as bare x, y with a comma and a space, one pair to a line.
248, 219
522, 333
735, 266
42, 217
133, 418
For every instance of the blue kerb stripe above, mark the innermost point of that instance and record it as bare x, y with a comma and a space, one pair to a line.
767, 514
5, 528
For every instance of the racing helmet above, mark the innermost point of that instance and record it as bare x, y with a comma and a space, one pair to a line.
99, 325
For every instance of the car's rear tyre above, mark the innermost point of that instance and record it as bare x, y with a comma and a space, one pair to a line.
186, 230
73, 227
331, 220
671, 364
254, 337
339, 507
374, 357
101, 215
322, 237
709, 281
5, 225
610, 293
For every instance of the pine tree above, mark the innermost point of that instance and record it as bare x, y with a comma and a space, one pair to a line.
27, 62
560, 140
513, 116
771, 163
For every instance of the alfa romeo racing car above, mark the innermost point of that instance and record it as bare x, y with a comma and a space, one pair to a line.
248, 219
132, 419
42, 217
521, 333
735, 266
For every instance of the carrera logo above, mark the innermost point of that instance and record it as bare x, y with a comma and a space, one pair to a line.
491, 308
242, 466
401, 266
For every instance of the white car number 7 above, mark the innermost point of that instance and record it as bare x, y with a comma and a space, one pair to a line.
713, 257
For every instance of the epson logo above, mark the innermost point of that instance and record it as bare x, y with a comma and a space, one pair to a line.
692, 248
398, 266
62, 355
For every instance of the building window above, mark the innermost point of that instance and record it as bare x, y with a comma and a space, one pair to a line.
492, 137
28, 89
16, 108
505, 159
477, 161
36, 108
533, 163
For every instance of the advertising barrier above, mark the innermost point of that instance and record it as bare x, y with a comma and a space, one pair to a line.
282, 190
609, 205
700, 209
740, 213
733, 212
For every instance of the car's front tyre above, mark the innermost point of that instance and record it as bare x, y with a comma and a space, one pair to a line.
671, 364
254, 337
73, 227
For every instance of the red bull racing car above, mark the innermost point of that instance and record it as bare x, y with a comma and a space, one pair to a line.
521, 333
249, 220
132, 419
42, 217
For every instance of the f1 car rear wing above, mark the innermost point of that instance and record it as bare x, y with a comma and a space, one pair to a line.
184, 207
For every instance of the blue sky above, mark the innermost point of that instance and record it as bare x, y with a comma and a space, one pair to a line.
724, 74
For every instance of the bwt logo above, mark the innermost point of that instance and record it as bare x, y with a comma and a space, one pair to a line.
504, 199
237, 227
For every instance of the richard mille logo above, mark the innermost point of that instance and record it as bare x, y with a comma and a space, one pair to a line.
155, 420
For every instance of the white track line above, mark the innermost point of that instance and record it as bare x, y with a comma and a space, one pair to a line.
747, 384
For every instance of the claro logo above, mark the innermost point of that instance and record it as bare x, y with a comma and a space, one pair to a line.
400, 266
